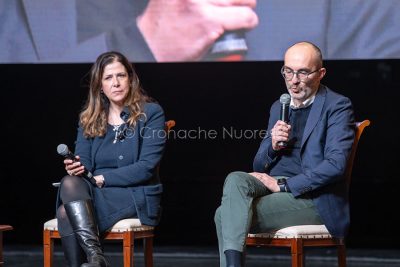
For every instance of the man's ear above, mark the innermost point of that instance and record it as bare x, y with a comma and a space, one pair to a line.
322, 73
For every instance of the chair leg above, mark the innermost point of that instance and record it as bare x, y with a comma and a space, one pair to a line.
48, 246
297, 252
148, 251
342, 255
128, 249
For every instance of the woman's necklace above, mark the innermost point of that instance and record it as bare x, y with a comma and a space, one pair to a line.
116, 122
118, 133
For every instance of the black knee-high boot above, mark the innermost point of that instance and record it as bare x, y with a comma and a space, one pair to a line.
81, 216
73, 252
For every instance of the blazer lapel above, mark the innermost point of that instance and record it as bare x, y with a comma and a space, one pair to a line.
315, 113
52, 26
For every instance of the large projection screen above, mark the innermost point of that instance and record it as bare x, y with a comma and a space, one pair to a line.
72, 31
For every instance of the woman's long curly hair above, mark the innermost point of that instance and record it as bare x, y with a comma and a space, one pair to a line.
94, 115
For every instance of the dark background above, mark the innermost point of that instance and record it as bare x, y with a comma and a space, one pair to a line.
40, 106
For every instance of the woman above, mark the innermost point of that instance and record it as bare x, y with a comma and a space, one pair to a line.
120, 141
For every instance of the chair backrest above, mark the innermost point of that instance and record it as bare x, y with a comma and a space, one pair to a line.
360, 126
168, 125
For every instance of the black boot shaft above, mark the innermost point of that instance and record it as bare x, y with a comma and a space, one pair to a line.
73, 253
81, 216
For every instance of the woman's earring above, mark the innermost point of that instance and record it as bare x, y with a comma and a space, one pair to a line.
101, 91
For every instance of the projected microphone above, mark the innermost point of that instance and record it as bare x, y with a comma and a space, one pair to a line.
285, 101
231, 46
63, 150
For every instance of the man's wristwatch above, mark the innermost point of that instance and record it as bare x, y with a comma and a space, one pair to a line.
283, 185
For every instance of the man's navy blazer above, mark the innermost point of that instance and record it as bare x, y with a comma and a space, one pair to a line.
325, 148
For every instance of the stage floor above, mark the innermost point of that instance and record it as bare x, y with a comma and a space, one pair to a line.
31, 256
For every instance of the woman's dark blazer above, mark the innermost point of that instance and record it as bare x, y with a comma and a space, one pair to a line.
135, 182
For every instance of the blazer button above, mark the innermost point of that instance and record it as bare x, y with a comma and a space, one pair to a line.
121, 157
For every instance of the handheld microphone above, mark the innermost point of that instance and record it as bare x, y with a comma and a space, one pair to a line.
285, 101
231, 46
63, 150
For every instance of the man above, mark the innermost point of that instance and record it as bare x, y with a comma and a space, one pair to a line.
319, 137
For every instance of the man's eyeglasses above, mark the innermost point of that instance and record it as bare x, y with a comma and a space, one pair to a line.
302, 75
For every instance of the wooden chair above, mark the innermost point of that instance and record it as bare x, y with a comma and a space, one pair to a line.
300, 236
2, 229
126, 230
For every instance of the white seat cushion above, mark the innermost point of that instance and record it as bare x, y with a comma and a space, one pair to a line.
51, 225
121, 226
129, 225
298, 231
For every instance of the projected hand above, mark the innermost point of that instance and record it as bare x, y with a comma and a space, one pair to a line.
184, 30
